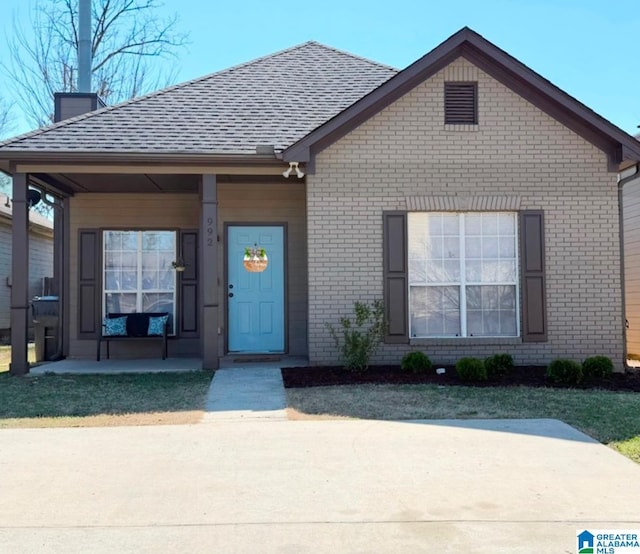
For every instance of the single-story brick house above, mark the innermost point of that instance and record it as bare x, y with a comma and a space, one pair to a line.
472, 195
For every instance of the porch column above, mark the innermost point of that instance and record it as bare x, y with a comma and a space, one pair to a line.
65, 285
209, 271
19, 276
60, 238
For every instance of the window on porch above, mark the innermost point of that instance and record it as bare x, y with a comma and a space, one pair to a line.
137, 273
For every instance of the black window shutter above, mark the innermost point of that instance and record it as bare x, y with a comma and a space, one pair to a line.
395, 274
188, 312
89, 283
461, 103
534, 310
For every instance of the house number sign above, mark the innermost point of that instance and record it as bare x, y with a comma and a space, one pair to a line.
210, 233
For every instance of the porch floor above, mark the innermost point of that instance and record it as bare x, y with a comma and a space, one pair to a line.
154, 365
145, 365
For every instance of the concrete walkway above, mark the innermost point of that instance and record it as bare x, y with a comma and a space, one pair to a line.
246, 393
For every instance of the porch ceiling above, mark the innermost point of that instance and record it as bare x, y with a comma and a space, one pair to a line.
99, 182
72, 183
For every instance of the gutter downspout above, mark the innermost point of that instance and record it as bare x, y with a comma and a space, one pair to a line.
621, 182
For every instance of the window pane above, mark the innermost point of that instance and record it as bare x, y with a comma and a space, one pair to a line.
473, 224
157, 302
129, 280
451, 271
473, 272
506, 224
435, 311
507, 323
507, 247
451, 247
490, 247
435, 224
435, 249
435, 272
418, 315
491, 311
120, 303
149, 280
489, 224
507, 297
451, 224
417, 271
443, 312
112, 280
473, 247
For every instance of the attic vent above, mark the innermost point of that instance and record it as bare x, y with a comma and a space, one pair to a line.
461, 103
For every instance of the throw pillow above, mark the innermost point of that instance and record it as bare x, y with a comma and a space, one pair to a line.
114, 326
156, 325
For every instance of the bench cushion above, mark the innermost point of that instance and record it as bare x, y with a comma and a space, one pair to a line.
156, 324
137, 323
115, 326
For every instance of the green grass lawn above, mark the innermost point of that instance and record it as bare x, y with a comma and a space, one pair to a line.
612, 418
59, 400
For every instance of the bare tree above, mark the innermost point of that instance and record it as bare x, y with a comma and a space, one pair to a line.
6, 119
131, 45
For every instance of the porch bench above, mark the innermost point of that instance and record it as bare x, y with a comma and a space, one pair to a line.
136, 327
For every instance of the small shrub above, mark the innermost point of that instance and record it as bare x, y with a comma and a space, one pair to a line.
359, 339
597, 366
564, 372
417, 362
498, 365
471, 369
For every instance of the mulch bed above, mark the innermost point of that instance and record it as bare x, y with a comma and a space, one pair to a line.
530, 376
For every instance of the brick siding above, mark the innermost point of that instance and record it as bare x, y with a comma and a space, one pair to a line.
405, 156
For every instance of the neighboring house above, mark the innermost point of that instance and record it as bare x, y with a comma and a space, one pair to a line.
40, 259
631, 217
475, 197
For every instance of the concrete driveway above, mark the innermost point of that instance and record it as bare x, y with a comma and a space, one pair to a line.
311, 486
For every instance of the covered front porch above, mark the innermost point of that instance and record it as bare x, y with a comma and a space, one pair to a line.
194, 204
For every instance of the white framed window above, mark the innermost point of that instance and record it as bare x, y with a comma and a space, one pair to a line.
463, 274
137, 272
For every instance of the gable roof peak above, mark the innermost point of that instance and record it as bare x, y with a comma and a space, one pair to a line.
494, 61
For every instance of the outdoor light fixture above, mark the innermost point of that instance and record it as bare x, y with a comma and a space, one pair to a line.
33, 196
293, 166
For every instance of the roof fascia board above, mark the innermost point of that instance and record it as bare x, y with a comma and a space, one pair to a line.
153, 169
85, 162
136, 157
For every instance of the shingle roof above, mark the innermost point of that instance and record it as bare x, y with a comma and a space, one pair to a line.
275, 100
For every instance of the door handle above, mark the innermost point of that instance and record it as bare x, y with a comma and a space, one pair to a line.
230, 295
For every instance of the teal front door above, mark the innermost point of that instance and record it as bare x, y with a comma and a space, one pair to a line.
255, 300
